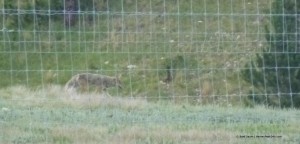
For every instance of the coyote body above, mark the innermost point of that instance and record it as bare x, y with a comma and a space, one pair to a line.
84, 81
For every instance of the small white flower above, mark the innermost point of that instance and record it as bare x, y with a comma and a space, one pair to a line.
171, 41
131, 66
200, 21
4, 29
107, 62
5, 109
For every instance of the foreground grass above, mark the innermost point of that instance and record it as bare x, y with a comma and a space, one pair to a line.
50, 116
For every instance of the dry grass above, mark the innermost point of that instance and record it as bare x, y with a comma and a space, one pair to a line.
167, 135
54, 95
49, 115
78, 134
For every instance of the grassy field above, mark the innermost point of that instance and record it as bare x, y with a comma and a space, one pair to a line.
51, 116
208, 42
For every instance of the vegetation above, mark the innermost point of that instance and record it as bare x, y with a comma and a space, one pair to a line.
275, 71
209, 50
182, 53
50, 116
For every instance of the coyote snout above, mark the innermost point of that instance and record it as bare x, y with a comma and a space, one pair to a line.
84, 81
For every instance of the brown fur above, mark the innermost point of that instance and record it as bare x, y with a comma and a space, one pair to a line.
84, 81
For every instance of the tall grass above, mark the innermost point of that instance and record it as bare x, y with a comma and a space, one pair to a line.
215, 39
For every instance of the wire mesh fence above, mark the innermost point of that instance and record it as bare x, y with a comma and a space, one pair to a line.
185, 50
196, 52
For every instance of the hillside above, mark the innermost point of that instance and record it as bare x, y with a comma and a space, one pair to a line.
203, 43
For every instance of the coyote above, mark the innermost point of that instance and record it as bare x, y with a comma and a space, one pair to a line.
84, 81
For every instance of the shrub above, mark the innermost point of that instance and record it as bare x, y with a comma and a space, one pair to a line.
274, 73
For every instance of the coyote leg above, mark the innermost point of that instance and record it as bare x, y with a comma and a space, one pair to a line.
105, 92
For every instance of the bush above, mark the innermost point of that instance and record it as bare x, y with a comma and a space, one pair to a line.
275, 71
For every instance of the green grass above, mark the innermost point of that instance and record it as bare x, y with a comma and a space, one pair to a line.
214, 38
209, 40
50, 116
